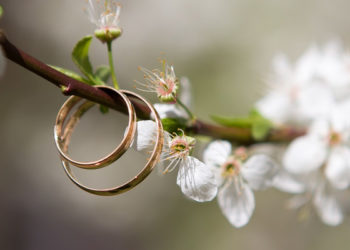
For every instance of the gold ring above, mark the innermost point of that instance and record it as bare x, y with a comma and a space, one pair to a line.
147, 169
63, 139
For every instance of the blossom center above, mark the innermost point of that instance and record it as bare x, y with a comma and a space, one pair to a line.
181, 146
231, 167
334, 138
294, 92
241, 154
164, 83
166, 87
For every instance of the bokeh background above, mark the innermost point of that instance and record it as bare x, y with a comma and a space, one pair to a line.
224, 47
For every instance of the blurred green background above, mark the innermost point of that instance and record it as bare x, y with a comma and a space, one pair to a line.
224, 47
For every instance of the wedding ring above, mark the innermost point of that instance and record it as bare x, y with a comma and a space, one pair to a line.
147, 169
63, 138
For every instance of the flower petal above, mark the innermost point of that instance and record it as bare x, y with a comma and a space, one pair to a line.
320, 128
328, 207
307, 65
146, 133
186, 92
305, 154
259, 171
315, 101
286, 182
276, 106
217, 153
298, 201
92, 12
236, 204
169, 111
197, 181
338, 167
333, 68
340, 120
105, 14
281, 66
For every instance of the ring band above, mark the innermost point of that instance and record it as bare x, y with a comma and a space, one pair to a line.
147, 169
63, 139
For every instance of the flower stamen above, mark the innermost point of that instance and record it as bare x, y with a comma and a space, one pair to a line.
334, 138
163, 83
231, 167
178, 149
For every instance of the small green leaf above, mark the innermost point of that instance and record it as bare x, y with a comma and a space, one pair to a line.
104, 109
72, 74
103, 73
242, 122
80, 56
174, 124
260, 130
254, 113
1, 11
261, 126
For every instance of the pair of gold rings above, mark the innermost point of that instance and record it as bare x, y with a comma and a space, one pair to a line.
64, 128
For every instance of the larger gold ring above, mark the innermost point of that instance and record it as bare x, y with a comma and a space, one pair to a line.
152, 161
63, 138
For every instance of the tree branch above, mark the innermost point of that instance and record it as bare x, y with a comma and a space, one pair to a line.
71, 86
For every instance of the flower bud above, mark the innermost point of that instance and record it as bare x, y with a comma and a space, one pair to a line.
107, 35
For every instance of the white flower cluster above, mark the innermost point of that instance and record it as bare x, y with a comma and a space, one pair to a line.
226, 173
231, 176
314, 94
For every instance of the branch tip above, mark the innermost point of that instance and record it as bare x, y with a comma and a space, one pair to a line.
64, 89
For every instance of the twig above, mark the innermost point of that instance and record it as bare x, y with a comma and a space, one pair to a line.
71, 86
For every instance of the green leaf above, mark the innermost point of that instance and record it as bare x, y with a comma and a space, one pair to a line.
1, 11
72, 74
174, 124
104, 109
260, 130
259, 125
254, 113
80, 56
103, 73
241, 122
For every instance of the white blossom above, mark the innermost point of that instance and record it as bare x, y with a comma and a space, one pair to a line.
319, 192
317, 168
172, 110
237, 177
288, 182
314, 93
196, 180
334, 69
104, 14
320, 161
324, 148
309, 90
162, 82
327, 205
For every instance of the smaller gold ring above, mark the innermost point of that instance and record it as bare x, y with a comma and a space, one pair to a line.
147, 169
63, 139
